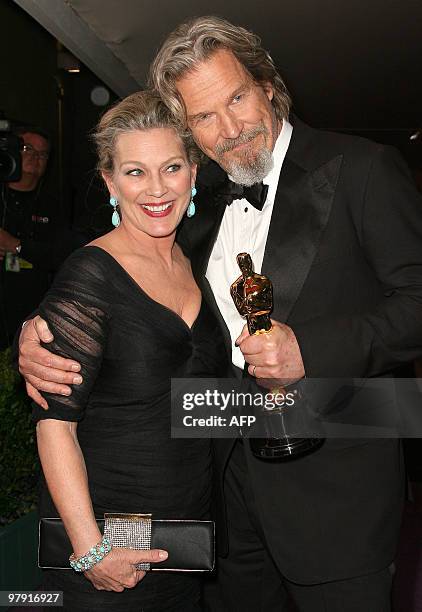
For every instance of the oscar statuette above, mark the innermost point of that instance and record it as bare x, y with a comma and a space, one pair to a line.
252, 295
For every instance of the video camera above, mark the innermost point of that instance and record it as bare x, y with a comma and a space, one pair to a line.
10, 153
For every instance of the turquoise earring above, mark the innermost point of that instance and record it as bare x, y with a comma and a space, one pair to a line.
191, 208
115, 219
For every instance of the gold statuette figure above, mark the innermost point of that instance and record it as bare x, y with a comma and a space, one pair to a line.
279, 431
253, 296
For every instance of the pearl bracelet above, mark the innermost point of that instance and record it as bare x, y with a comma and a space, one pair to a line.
91, 558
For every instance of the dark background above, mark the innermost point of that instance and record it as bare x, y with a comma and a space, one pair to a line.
31, 90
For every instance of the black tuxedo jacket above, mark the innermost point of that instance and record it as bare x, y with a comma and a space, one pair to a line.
344, 253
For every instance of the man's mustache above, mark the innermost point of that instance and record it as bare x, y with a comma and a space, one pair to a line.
243, 138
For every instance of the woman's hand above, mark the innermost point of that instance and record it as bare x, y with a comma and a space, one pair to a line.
117, 570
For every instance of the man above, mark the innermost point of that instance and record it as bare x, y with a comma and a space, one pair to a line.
339, 235
26, 236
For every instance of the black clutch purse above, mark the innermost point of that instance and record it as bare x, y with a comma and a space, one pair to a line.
190, 544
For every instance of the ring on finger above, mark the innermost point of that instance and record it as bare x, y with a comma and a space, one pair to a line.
253, 371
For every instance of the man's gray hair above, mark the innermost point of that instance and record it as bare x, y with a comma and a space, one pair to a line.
196, 41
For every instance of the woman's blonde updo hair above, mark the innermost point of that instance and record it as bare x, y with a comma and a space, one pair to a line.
143, 110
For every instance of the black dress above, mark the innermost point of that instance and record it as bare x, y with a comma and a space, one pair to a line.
129, 347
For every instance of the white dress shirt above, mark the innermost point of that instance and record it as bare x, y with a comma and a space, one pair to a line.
244, 229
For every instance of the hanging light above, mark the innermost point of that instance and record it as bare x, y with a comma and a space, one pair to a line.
68, 62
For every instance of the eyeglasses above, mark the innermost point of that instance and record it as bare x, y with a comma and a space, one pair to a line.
29, 150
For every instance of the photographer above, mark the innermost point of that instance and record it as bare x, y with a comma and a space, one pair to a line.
27, 253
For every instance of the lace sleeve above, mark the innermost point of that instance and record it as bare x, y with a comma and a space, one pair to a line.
77, 312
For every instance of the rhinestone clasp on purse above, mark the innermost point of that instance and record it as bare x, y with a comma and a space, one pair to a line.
129, 531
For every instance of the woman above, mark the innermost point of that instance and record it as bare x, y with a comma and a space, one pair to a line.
127, 307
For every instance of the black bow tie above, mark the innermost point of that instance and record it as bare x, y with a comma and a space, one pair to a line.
255, 195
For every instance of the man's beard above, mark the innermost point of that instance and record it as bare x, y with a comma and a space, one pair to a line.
250, 167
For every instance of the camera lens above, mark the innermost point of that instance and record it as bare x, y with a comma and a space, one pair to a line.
7, 166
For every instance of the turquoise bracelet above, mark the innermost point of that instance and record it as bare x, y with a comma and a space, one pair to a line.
92, 557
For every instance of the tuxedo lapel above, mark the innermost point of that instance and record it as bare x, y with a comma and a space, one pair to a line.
202, 229
199, 233
301, 211
214, 217
210, 227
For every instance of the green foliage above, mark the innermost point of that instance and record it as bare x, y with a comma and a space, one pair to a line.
19, 467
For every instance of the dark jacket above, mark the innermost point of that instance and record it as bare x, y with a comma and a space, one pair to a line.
344, 253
